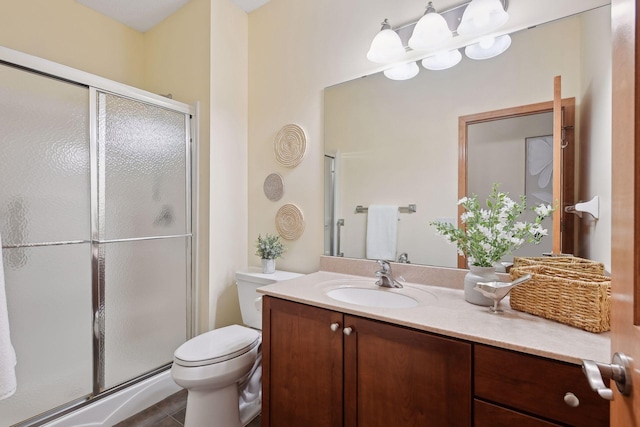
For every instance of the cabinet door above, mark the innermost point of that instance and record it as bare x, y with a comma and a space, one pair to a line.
537, 386
401, 377
302, 365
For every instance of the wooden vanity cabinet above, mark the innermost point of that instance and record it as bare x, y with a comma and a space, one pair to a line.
512, 388
377, 375
385, 375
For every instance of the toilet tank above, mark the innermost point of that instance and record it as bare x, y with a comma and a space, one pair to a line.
248, 281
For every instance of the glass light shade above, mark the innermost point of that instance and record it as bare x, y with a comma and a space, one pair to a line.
488, 47
442, 60
430, 32
481, 17
386, 47
402, 71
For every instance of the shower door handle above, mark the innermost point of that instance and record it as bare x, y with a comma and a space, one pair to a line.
340, 224
96, 324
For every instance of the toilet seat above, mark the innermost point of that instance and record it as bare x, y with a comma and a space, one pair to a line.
217, 346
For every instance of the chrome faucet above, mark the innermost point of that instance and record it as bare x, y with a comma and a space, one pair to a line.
386, 277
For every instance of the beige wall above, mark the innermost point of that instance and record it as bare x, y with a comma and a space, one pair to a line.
66, 32
229, 121
298, 48
595, 135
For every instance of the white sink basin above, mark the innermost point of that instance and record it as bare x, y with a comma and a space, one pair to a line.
372, 297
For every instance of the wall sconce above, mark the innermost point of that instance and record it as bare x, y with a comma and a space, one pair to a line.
432, 32
386, 45
442, 60
482, 17
403, 71
488, 47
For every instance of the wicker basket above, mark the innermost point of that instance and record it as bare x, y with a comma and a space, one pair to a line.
572, 297
563, 262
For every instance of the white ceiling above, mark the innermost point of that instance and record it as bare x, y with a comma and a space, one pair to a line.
142, 15
249, 5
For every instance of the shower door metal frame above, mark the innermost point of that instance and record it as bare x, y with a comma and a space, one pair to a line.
98, 240
94, 84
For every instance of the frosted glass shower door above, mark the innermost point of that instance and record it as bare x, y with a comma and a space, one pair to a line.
45, 227
144, 235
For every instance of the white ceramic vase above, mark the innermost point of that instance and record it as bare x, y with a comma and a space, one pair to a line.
268, 266
478, 274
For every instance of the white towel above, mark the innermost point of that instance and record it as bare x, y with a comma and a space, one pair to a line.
7, 354
382, 232
250, 391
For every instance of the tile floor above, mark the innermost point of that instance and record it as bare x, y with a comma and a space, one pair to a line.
166, 413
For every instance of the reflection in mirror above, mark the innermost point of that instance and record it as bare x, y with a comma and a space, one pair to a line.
523, 137
513, 140
395, 143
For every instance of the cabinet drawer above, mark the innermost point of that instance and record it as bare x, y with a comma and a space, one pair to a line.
488, 415
536, 386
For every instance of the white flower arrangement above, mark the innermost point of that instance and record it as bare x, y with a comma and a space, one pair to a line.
269, 247
489, 234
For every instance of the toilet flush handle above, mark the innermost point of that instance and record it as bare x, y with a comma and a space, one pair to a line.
258, 303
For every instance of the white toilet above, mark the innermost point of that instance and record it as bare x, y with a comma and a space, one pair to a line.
221, 369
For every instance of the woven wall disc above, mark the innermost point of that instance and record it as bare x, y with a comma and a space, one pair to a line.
290, 145
273, 187
289, 222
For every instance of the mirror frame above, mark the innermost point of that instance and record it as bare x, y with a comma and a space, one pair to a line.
564, 231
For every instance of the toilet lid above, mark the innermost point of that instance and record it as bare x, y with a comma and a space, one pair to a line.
217, 346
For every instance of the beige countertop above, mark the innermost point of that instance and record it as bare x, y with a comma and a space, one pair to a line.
443, 310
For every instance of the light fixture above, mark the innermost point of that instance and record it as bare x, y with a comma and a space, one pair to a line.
386, 46
482, 17
431, 31
430, 40
442, 60
488, 47
403, 71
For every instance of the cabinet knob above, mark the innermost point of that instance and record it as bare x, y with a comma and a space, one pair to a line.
571, 399
334, 326
347, 330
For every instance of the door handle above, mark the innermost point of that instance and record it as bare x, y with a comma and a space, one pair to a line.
619, 371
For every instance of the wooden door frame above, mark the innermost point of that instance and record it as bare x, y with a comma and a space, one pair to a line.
568, 161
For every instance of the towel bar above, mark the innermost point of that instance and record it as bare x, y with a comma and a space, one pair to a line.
402, 209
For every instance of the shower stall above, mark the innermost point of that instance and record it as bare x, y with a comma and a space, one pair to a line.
96, 185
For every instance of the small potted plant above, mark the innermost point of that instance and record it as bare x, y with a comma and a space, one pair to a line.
489, 233
269, 248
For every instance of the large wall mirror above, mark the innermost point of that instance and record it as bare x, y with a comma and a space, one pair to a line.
396, 142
